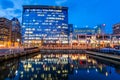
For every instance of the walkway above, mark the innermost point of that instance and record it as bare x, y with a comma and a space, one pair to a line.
6, 51
105, 55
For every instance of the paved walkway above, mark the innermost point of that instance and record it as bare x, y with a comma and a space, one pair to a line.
112, 56
5, 51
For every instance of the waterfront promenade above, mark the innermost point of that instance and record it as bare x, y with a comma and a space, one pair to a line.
104, 55
7, 53
16, 52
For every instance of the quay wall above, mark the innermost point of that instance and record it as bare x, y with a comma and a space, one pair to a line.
19, 54
62, 51
105, 55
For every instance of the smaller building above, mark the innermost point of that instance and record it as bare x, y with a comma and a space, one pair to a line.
100, 29
86, 30
5, 32
16, 32
116, 34
116, 29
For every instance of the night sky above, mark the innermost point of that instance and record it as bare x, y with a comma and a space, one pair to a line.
81, 12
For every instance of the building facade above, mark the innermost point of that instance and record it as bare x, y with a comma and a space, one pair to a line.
5, 32
70, 32
86, 30
70, 28
98, 30
45, 24
16, 32
116, 29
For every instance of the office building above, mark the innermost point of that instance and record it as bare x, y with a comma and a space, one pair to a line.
16, 32
45, 25
5, 32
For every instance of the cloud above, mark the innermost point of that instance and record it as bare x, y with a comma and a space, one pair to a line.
6, 4
11, 8
60, 2
10, 13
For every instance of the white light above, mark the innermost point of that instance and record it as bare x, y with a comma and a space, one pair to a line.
18, 40
16, 72
88, 71
96, 70
76, 71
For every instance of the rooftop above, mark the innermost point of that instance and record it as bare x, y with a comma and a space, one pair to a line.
43, 6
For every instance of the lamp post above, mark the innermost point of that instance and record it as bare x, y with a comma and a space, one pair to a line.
86, 44
99, 42
78, 40
18, 40
119, 41
103, 28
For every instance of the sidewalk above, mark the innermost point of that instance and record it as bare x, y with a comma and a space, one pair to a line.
6, 54
6, 51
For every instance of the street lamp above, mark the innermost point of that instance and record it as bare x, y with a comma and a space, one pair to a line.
119, 41
86, 44
98, 41
18, 40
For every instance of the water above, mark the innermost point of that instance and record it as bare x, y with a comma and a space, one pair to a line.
59, 67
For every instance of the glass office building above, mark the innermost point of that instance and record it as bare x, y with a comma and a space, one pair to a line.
45, 24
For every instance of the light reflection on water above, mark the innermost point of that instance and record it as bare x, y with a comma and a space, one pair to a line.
58, 67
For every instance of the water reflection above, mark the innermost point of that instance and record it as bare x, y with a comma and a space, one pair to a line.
58, 67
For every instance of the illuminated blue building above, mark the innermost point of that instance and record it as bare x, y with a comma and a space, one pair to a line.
85, 31
99, 29
45, 24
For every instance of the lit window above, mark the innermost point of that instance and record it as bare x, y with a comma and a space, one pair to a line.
36, 23
33, 20
23, 26
50, 23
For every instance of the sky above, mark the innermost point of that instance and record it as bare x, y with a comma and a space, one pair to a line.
82, 13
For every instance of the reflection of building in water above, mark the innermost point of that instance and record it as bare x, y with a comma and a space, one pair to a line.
56, 67
93, 64
8, 69
45, 68
118, 70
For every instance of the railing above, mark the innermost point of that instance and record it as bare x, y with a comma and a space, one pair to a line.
65, 47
